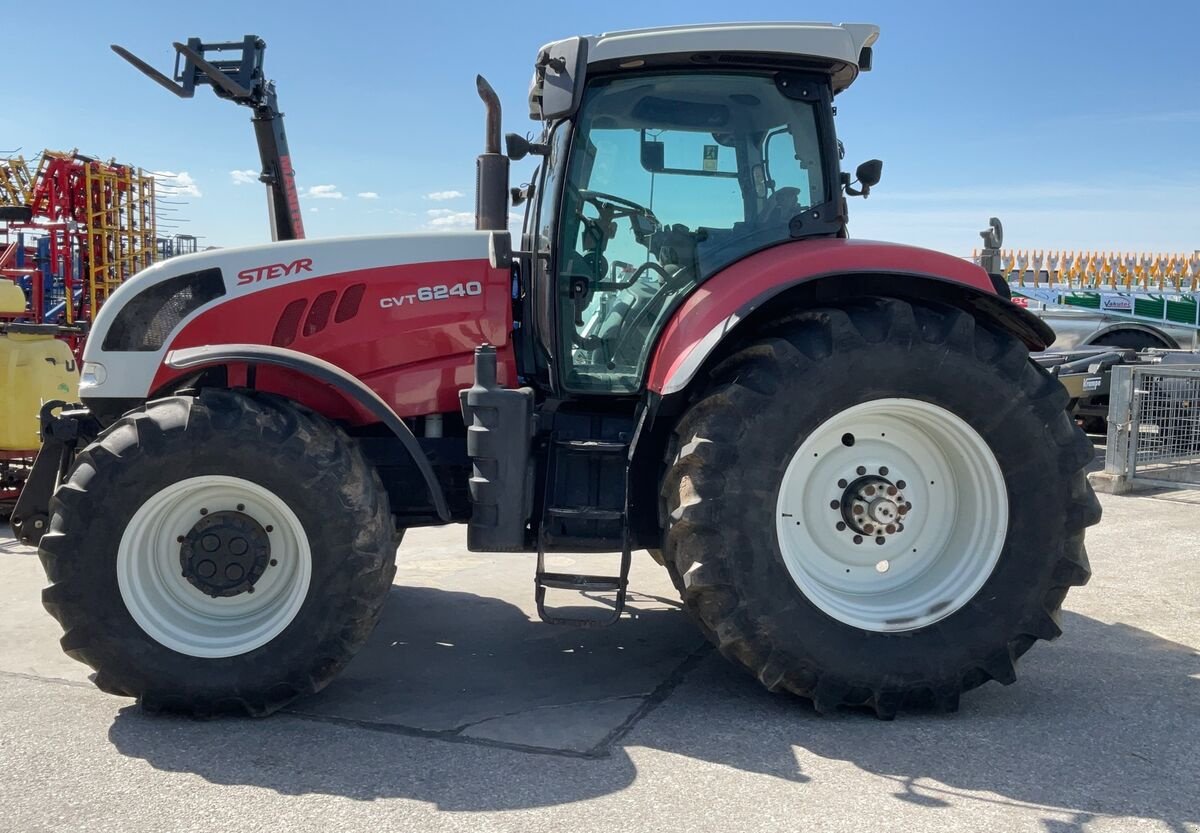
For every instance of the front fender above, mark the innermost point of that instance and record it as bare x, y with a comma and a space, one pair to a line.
824, 271
195, 358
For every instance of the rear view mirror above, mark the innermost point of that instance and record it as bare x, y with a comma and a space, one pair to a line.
869, 172
693, 153
559, 78
652, 155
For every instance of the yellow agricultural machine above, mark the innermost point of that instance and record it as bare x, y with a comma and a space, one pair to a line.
72, 228
35, 367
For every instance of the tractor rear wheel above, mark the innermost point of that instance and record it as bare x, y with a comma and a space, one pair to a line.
219, 553
878, 505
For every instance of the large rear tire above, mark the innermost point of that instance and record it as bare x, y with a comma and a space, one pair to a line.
878, 505
219, 553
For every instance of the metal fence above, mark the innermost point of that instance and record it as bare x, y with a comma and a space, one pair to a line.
1154, 426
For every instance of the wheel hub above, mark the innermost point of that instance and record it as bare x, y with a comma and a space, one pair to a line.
871, 506
225, 553
891, 514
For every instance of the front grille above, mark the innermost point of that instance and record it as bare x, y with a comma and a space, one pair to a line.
149, 318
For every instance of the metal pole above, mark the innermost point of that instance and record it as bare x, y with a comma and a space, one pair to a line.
1118, 420
1136, 380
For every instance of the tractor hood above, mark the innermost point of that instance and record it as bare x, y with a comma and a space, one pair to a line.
273, 294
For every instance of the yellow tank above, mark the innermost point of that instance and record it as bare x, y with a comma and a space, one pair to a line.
12, 299
34, 368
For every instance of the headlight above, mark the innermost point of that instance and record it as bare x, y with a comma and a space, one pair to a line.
93, 374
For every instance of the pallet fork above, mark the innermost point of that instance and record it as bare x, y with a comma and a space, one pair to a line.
240, 79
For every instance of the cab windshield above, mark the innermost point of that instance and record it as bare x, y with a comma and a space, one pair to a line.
672, 177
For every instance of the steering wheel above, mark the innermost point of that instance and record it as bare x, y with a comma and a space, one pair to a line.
606, 203
628, 327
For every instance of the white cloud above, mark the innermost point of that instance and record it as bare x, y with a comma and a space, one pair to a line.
313, 210
443, 219
179, 183
324, 192
439, 196
368, 195
246, 177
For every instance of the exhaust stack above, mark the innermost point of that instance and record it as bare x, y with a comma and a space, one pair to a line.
491, 167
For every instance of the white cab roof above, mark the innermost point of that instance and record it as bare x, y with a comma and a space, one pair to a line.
837, 43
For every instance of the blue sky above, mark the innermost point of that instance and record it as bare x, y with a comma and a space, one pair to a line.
1077, 123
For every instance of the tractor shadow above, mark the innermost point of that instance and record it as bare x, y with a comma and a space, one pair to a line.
1104, 722
9, 545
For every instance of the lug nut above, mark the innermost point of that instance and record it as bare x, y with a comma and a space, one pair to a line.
835, 504
880, 540
858, 539
841, 525
900, 484
890, 528
859, 509
842, 483
883, 470
867, 528
861, 470
892, 490
870, 490
203, 511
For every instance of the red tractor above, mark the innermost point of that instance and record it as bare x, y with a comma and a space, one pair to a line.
863, 489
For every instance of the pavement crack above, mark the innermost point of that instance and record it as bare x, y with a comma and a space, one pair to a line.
661, 692
447, 735
586, 702
41, 679
602, 749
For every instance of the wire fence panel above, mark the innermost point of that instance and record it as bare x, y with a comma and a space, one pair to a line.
1154, 425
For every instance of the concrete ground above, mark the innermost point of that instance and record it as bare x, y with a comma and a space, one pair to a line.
464, 713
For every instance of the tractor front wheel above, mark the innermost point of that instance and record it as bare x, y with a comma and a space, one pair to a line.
878, 505
218, 553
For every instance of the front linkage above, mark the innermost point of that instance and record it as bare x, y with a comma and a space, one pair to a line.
62, 434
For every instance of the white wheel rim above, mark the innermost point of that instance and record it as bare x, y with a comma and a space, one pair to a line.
177, 614
950, 539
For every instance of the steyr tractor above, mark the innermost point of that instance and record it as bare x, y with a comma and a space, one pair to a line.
863, 489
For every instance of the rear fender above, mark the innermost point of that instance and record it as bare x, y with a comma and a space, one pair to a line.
728, 308
787, 278
325, 374
1166, 341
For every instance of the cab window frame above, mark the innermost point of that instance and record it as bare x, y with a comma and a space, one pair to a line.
546, 265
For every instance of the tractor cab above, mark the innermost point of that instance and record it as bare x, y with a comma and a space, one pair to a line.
664, 161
